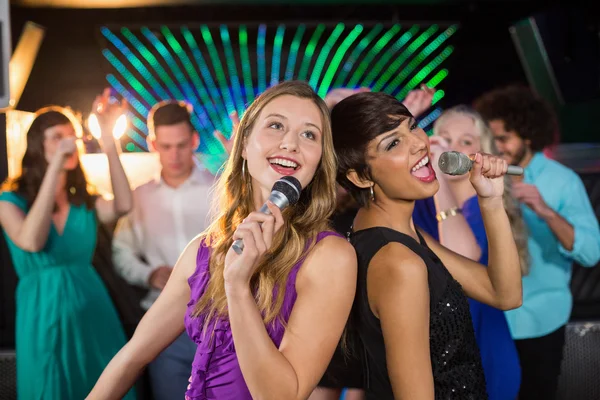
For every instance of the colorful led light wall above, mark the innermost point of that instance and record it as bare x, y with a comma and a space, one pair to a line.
220, 69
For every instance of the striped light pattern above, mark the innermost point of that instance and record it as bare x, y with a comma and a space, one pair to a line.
220, 69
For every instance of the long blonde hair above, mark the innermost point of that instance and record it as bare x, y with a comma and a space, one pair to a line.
511, 205
302, 222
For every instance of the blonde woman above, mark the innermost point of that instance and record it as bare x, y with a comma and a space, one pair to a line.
458, 221
267, 321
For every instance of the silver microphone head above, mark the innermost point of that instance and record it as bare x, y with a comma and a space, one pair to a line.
285, 192
454, 163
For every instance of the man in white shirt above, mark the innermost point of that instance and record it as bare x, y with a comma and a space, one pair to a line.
168, 212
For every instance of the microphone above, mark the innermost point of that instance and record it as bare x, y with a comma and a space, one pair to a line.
285, 192
455, 163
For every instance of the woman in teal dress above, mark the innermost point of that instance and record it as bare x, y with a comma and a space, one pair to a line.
67, 328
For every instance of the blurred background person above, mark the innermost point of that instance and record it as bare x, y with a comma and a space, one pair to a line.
561, 227
169, 211
67, 327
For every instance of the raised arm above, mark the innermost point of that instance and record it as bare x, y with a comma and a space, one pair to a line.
110, 210
30, 232
161, 325
499, 285
325, 286
399, 297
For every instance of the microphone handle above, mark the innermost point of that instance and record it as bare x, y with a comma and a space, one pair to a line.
277, 198
511, 170
514, 170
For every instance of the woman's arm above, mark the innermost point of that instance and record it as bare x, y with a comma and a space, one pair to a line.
399, 296
30, 232
161, 325
325, 286
110, 210
455, 232
499, 285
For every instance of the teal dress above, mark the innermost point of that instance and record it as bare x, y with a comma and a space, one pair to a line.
67, 328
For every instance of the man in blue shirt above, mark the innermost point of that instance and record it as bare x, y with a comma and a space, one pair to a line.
562, 229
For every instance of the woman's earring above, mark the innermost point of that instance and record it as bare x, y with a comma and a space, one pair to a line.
372, 193
244, 168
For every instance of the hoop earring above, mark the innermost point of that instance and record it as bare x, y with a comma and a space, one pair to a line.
244, 169
372, 192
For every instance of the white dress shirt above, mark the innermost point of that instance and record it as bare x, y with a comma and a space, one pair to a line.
163, 221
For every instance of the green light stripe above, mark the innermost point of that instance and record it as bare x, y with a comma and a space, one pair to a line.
136, 62
373, 52
150, 59
292, 57
420, 58
393, 69
206, 103
356, 53
246, 66
324, 53
276, 59
204, 71
218, 68
425, 71
137, 85
309, 51
260, 58
337, 59
385, 58
190, 95
232, 68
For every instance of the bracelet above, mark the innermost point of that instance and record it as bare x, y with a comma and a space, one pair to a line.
443, 215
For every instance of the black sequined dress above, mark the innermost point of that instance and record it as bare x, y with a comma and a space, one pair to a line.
457, 370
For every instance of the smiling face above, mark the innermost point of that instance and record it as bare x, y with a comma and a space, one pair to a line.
286, 139
511, 146
399, 163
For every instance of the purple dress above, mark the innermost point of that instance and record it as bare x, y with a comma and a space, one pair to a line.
216, 373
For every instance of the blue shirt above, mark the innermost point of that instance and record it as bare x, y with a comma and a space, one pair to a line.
499, 355
547, 299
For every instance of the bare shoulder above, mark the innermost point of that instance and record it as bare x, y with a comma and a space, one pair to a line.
395, 274
11, 217
7, 206
186, 264
396, 264
333, 258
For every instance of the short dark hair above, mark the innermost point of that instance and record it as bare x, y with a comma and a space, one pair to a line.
355, 121
168, 112
523, 112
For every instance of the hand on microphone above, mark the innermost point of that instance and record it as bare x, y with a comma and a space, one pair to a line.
256, 232
487, 175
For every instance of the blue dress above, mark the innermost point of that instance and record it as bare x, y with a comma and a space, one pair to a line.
67, 328
498, 351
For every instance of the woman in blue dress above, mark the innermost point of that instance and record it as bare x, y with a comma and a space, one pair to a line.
453, 216
67, 328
